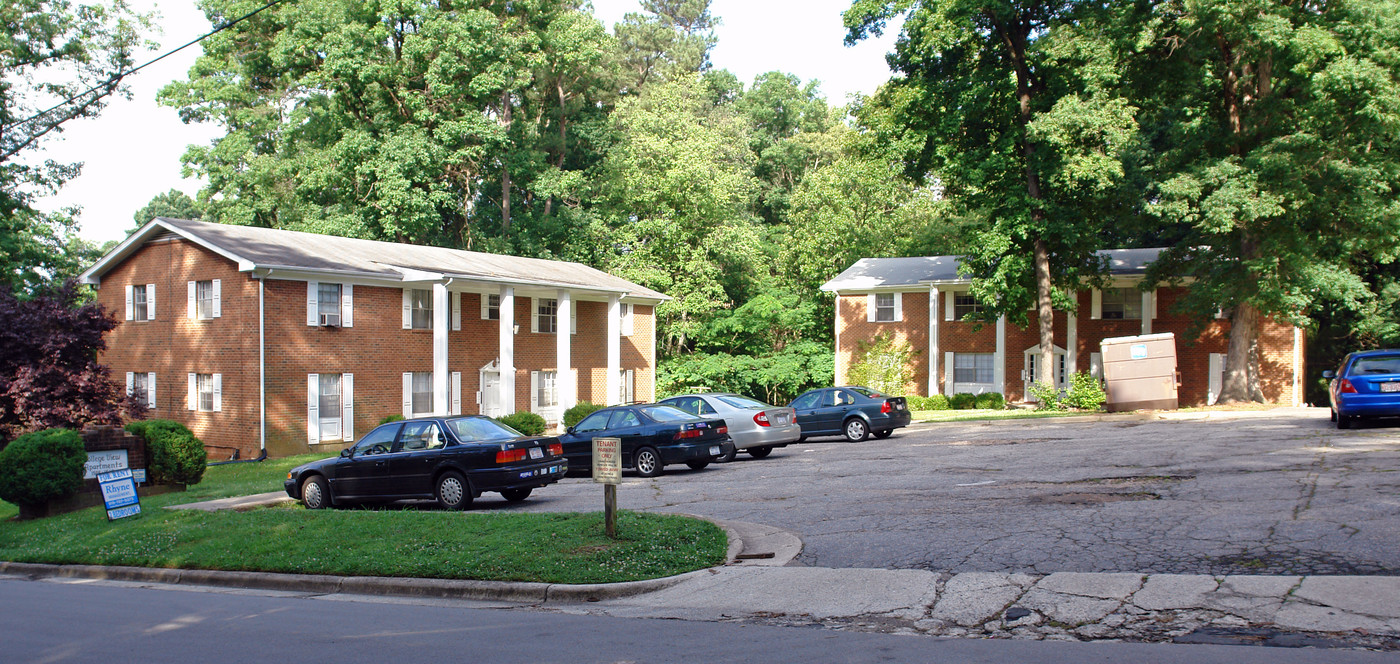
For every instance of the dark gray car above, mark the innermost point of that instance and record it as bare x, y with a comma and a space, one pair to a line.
850, 411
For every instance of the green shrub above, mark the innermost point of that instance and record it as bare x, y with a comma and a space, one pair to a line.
1085, 392
525, 422
937, 402
991, 401
916, 402
885, 364
1048, 397
41, 466
576, 414
963, 401
174, 455
391, 418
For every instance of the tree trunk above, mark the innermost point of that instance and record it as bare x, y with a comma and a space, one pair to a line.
505, 167
1244, 328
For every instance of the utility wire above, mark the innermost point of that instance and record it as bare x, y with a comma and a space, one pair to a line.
114, 79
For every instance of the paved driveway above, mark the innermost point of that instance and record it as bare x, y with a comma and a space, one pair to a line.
1274, 493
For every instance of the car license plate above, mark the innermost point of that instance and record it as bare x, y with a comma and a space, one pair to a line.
536, 453
782, 420
714, 450
1390, 387
899, 406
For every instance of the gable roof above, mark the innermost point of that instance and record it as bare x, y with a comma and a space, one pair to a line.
254, 248
885, 273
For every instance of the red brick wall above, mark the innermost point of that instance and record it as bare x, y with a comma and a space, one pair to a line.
854, 328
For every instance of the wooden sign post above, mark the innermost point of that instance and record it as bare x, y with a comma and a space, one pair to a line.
607, 470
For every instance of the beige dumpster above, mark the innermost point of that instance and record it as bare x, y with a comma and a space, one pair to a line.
1140, 372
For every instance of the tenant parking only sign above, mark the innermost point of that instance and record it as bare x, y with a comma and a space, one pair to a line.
607, 460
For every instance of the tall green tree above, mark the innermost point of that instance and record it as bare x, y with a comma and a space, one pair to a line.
1012, 112
667, 40
59, 61
1275, 124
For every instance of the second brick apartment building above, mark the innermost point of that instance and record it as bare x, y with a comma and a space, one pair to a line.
287, 342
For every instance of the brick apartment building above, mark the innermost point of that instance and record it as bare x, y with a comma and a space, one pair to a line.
286, 342
897, 295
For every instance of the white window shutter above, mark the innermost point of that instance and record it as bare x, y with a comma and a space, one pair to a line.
1096, 304
347, 407
218, 392
192, 394
1215, 364
189, 300
408, 394
130, 382
129, 289
347, 305
313, 408
456, 393
627, 328
218, 297
151, 390
407, 310
899, 306
534, 391
456, 311
573, 316
949, 306
534, 315
870, 308
948, 374
313, 308
485, 309
150, 301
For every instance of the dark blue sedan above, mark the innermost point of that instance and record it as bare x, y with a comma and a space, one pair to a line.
853, 412
1366, 385
652, 435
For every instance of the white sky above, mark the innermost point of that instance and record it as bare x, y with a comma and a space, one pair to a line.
132, 151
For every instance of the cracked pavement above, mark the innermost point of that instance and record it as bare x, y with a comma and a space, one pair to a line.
1274, 493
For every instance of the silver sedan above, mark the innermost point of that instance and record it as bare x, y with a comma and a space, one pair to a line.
755, 427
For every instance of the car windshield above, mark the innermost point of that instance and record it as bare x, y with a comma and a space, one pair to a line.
666, 414
743, 402
473, 429
1378, 364
868, 392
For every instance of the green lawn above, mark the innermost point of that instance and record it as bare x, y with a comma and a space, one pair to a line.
392, 541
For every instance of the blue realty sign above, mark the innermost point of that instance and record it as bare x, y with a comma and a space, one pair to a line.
119, 494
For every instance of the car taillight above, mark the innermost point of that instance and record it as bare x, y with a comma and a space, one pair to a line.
722, 430
885, 407
1345, 387
761, 419
692, 433
556, 449
511, 456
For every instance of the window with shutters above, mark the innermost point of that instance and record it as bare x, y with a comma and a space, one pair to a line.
493, 307
422, 392
548, 312
1122, 304
884, 307
328, 304
548, 389
973, 367
139, 386
328, 406
421, 301
204, 386
139, 300
965, 304
204, 300
625, 387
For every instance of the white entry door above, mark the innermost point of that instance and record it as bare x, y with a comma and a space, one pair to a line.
491, 392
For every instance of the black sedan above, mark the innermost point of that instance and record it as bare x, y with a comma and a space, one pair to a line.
653, 436
853, 412
450, 459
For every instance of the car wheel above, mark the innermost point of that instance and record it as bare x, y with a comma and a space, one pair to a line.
759, 452
727, 456
1334, 416
884, 433
315, 494
697, 465
856, 430
1343, 422
515, 495
453, 493
647, 462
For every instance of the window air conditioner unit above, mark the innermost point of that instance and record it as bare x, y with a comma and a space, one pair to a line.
330, 320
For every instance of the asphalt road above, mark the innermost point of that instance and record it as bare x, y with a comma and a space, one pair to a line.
1276, 493
69, 622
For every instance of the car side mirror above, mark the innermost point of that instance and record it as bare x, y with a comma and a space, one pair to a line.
569, 430
1329, 374
345, 453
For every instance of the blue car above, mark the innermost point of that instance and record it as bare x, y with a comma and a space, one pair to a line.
652, 437
850, 411
1366, 385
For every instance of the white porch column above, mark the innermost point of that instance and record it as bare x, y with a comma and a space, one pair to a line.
933, 315
1072, 338
442, 322
1147, 311
614, 341
564, 376
999, 369
507, 350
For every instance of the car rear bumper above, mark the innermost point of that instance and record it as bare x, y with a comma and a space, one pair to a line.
524, 476
895, 420
682, 453
1369, 405
766, 436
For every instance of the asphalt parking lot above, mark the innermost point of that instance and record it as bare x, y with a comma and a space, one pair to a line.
1281, 492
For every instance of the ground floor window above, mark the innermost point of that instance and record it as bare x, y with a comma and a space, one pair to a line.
422, 392
205, 392
973, 367
330, 409
328, 398
626, 385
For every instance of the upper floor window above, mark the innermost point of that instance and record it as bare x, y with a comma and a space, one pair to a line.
421, 307
204, 299
490, 307
965, 304
624, 312
547, 315
328, 304
884, 307
1122, 304
141, 302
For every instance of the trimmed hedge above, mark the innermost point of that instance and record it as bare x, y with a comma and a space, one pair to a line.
963, 401
525, 422
175, 456
991, 401
576, 414
935, 402
42, 466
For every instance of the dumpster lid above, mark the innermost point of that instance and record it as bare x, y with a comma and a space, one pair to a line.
1138, 339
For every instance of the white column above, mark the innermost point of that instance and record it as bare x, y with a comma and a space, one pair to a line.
614, 341
507, 350
999, 369
1072, 337
442, 322
933, 315
563, 357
